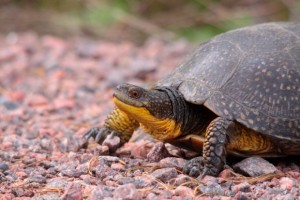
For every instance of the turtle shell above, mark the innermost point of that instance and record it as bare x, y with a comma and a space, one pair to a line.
250, 75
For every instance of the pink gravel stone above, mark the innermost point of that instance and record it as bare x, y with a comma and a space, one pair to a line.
157, 152
243, 187
165, 174
117, 166
139, 149
178, 163
184, 191
226, 173
21, 175
16, 95
286, 183
209, 179
127, 191
63, 103
73, 192
37, 100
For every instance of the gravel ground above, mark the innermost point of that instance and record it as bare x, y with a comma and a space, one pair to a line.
52, 91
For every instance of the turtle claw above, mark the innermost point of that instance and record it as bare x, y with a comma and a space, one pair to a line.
91, 133
101, 134
197, 168
194, 167
98, 133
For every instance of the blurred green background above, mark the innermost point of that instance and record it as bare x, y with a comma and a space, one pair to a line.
137, 20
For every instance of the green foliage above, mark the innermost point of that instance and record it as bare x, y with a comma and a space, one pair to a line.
195, 34
195, 20
103, 15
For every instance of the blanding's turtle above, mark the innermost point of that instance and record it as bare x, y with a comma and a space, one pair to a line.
237, 93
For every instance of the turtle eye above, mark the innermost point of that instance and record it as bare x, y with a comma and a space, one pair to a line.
134, 93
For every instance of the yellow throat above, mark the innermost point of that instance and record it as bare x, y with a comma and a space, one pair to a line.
161, 129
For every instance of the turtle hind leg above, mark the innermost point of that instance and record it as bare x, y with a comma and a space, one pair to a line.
214, 150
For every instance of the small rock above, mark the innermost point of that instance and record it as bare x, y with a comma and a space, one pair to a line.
21, 175
110, 183
101, 192
178, 163
295, 191
88, 179
60, 183
142, 182
158, 152
46, 143
37, 100
127, 191
73, 192
3, 167
103, 171
164, 194
165, 174
225, 174
151, 196
107, 160
184, 191
71, 172
36, 179
242, 187
112, 141
10, 176
96, 150
259, 192
63, 103
125, 180
183, 179
10, 105
254, 166
274, 190
137, 172
286, 183
212, 189
243, 196
16, 95
83, 168
118, 166
138, 149
285, 197
52, 170
209, 180
292, 174
18, 192
28, 161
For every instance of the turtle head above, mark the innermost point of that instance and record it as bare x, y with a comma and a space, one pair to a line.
152, 108
139, 102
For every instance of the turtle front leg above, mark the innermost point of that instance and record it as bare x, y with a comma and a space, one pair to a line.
117, 123
214, 150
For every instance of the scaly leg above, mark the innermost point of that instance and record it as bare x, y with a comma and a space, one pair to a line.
214, 150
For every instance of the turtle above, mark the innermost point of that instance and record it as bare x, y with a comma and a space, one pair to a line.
237, 93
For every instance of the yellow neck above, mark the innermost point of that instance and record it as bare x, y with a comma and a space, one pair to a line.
161, 129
